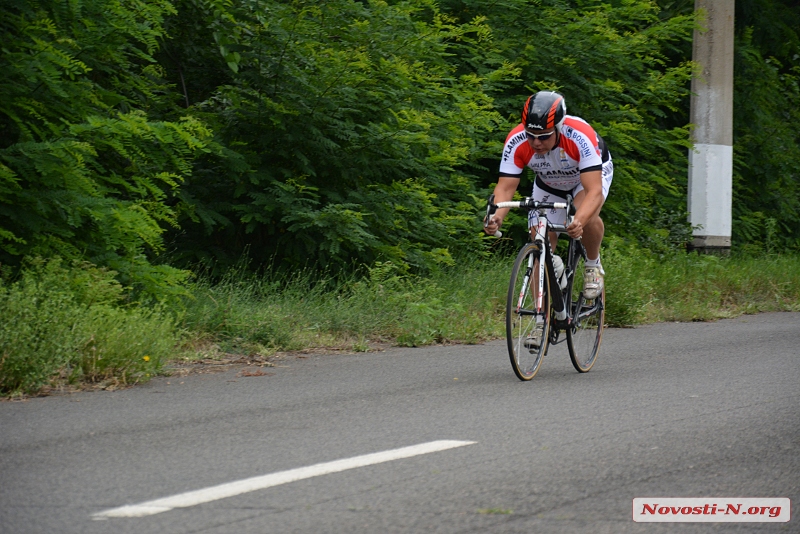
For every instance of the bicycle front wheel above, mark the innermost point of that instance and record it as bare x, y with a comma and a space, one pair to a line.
586, 329
527, 329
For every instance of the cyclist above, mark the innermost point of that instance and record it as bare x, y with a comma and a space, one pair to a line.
568, 157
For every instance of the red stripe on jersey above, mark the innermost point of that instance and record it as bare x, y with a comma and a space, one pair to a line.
583, 127
523, 155
570, 148
515, 131
523, 151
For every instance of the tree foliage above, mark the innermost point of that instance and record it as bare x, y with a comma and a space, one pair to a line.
347, 132
766, 193
616, 64
352, 130
85, 170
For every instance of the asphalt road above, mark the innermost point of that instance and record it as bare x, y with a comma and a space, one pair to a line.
670, 410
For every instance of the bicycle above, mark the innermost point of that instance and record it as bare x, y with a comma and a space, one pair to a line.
557, 305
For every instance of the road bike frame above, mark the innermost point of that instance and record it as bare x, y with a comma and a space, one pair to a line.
565, 310
546, 256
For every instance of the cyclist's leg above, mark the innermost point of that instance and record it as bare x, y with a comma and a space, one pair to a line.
593, 232
594, 229
587, 309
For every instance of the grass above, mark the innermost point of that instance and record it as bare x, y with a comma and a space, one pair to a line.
68, 325
466, 304
267, 314
73, 325
645, 288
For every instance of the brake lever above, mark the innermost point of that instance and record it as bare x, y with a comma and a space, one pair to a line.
571, 212
491, 208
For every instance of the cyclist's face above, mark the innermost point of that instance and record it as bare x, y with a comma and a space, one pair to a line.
542, 141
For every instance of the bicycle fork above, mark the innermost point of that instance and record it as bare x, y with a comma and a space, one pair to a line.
525, 284
526, 281
544, 253
557, 298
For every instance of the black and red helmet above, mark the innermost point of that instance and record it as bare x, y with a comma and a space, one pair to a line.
543, 111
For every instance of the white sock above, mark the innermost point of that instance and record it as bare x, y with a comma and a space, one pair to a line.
592, 263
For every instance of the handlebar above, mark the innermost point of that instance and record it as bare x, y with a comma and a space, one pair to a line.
530, 204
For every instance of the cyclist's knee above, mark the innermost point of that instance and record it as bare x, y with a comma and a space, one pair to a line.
595, 225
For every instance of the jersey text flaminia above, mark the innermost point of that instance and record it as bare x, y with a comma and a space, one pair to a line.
578, 150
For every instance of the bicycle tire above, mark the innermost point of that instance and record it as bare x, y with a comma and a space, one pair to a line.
585, 333
521, 315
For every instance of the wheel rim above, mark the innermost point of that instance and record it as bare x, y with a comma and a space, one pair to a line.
586, 331
521, 319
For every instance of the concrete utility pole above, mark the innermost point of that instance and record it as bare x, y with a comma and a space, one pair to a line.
711, 160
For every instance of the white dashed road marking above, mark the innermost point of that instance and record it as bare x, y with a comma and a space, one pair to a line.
230, 489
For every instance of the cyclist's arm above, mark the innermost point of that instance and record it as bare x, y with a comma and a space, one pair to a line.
592, 182
503, 191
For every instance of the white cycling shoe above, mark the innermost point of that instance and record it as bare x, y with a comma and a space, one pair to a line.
534, 341
593, 282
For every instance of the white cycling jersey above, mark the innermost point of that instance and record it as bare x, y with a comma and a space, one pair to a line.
558, 172
579, 150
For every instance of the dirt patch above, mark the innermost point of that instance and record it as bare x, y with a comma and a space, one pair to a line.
253, 364
212, 361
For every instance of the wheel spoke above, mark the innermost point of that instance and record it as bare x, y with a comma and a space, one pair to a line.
586, 331
523, 324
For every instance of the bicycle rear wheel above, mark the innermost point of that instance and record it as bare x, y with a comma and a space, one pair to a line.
522, 319
586, 329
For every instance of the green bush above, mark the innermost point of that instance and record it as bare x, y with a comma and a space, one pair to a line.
69, 324
37, 340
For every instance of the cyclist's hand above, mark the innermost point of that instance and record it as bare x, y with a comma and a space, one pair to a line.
575, 229
493, 225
